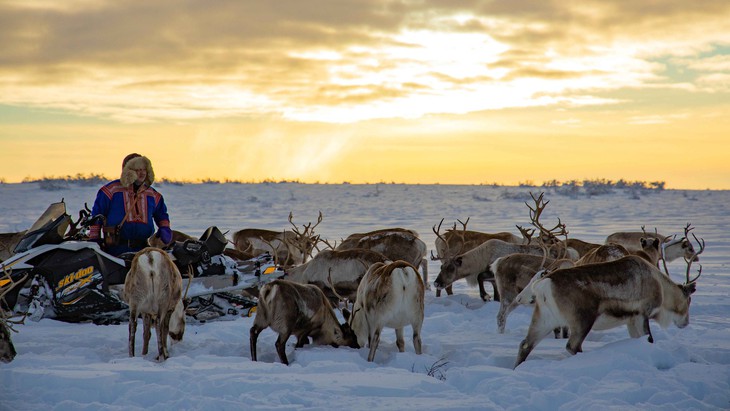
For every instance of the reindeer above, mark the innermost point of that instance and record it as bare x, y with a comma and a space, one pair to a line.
8, 241
649, 251
603, 253
336, 271
474, 265
177, 236
601, 296
464, 240
394, 243
390, 295
153, 289
672, 247
289, 247
515, 272
581, 247
299, 309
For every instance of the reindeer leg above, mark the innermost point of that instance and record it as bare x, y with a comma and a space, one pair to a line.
505, 308
399, 341
647, 330
374, 341
496, 291
578, 333
302, 340
132, 330
253, 338
281, 347
417, 343
163, 329
539, 328
424, 270
482, 291
147, 333
450, 290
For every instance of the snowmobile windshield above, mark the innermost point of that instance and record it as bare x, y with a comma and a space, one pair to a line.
48, 229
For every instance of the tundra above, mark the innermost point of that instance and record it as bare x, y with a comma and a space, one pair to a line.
389, 295
153, 289
299, 309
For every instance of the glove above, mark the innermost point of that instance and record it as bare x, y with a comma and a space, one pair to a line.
165, 234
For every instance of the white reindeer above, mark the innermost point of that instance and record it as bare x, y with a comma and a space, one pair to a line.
153, 289
390, 295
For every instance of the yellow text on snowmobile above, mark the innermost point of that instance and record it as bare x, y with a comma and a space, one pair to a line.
79, 275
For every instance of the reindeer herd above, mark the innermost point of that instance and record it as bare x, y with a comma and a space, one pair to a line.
373, 279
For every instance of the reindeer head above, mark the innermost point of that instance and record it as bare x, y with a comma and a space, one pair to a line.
678, 309
451, 261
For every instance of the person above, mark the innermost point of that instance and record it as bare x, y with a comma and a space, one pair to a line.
129, 208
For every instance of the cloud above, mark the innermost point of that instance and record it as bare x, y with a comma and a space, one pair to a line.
345, 60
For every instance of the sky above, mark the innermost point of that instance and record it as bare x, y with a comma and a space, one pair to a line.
458, 92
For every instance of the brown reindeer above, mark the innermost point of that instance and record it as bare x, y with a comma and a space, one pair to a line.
8, 241
153, 289
580, 246
394, 243
336, 272
673, 248
288, 247
154, 241
600, 296
513, 273
390, 295
454, 242
299, 309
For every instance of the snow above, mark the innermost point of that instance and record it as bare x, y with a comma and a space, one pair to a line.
63, 366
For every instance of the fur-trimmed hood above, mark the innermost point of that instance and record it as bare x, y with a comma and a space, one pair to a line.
129, 176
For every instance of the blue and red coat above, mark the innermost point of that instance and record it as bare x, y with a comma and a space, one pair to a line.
144, 208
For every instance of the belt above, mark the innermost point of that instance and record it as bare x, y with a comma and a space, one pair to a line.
137, 243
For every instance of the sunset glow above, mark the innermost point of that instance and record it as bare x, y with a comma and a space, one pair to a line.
333, 91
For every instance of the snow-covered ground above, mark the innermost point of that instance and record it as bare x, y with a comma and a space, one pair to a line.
466, 364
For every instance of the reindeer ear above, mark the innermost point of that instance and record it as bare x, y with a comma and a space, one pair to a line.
656, 243
689, 289
643, 242
458, 261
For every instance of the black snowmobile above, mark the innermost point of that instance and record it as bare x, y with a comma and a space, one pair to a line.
56, 273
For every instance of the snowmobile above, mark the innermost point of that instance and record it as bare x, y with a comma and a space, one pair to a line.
57, 273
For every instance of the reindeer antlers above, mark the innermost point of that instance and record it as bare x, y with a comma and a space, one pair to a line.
547, 237
305, 241
701, 244
701, 248
460, 233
